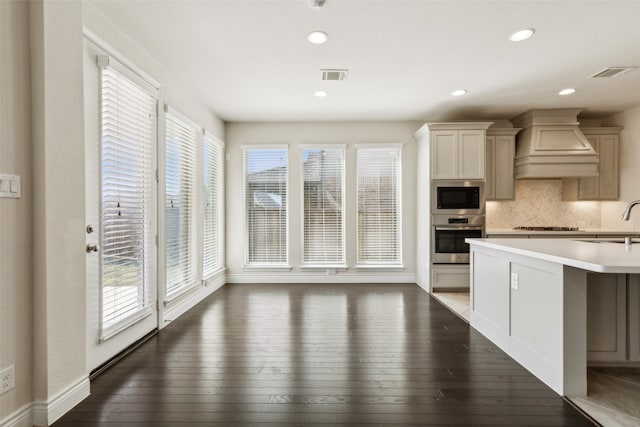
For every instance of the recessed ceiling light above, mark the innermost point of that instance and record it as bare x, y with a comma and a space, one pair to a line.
567, 91
521, 35
320, 94
458, 92
317, 37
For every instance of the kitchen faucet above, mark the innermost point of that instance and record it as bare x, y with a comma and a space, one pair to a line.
627, 212
626, 215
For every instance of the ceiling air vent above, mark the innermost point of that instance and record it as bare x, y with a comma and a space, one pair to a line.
334, 74
612, 72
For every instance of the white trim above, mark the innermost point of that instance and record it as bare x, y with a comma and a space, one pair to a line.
314, 267
343, 211
322, 278
46, 413
245, 235
266, 267
122, 59
378, 267
176, 310
22, 417
265, 147
216, 279
168, 109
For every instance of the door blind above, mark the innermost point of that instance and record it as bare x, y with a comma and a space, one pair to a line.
181, 144
379, 217
128, 122
213, 238
266, 206
323, 225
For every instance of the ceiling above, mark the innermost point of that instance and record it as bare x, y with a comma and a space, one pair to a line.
251, 61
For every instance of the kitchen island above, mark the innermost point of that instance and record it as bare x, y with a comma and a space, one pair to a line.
529, 297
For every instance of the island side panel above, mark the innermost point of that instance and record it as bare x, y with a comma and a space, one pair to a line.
540, 321
535, 318
575, 332
489, 271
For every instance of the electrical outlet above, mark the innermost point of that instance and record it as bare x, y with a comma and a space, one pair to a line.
514, 281
7, 379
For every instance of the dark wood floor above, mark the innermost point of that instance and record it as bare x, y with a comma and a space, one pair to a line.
320, 355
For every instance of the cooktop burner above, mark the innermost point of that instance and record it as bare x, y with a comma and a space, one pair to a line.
546, 228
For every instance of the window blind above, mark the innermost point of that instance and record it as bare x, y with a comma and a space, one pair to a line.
323, 224
266, 206
379, 216
182, 137
213, 235
127, 133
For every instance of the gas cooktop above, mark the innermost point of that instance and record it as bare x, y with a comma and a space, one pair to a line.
546, 228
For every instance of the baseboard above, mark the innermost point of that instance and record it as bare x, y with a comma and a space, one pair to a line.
23, 417
183, 305
263, 277
46, 413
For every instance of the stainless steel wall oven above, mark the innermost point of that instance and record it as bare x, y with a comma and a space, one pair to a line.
448, 234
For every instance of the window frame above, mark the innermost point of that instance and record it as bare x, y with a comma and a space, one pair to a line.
194, 232
319, 265
247, 264
219, 148
397, 264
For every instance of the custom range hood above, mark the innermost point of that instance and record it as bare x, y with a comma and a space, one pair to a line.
551, 145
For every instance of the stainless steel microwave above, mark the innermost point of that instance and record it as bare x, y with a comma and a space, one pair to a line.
457, 197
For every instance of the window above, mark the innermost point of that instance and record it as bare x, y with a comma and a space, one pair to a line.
379, 217
266, 206
323, 207
127, 132
213, 234
182, 137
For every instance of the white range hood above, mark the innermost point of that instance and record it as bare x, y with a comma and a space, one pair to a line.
551, 145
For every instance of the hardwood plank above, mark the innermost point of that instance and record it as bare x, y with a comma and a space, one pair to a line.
330, 354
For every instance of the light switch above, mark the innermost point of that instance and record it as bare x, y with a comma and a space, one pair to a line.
9, 186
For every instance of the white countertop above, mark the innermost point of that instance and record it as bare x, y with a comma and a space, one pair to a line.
597, 257
590, 231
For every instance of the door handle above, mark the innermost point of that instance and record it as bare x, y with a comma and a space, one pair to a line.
92, 248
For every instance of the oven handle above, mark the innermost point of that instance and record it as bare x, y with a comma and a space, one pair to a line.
437, 227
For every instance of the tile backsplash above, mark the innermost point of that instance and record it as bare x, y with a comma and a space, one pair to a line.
538, 202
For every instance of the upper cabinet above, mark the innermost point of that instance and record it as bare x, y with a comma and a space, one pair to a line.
457, 150
605, 186
500, 153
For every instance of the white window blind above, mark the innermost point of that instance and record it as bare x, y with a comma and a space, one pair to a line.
128, 121
379, 217
323, 223
182, 137
213, 235
266, 206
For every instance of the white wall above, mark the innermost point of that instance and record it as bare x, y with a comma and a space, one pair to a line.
16, 279
629, 170
42, 259
294, 134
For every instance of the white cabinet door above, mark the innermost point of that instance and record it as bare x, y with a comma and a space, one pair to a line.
504, 154
634, 317
606, 317
590, 187
457, 154
606, 185
489, 169
444, 154
609, 159
471, 147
